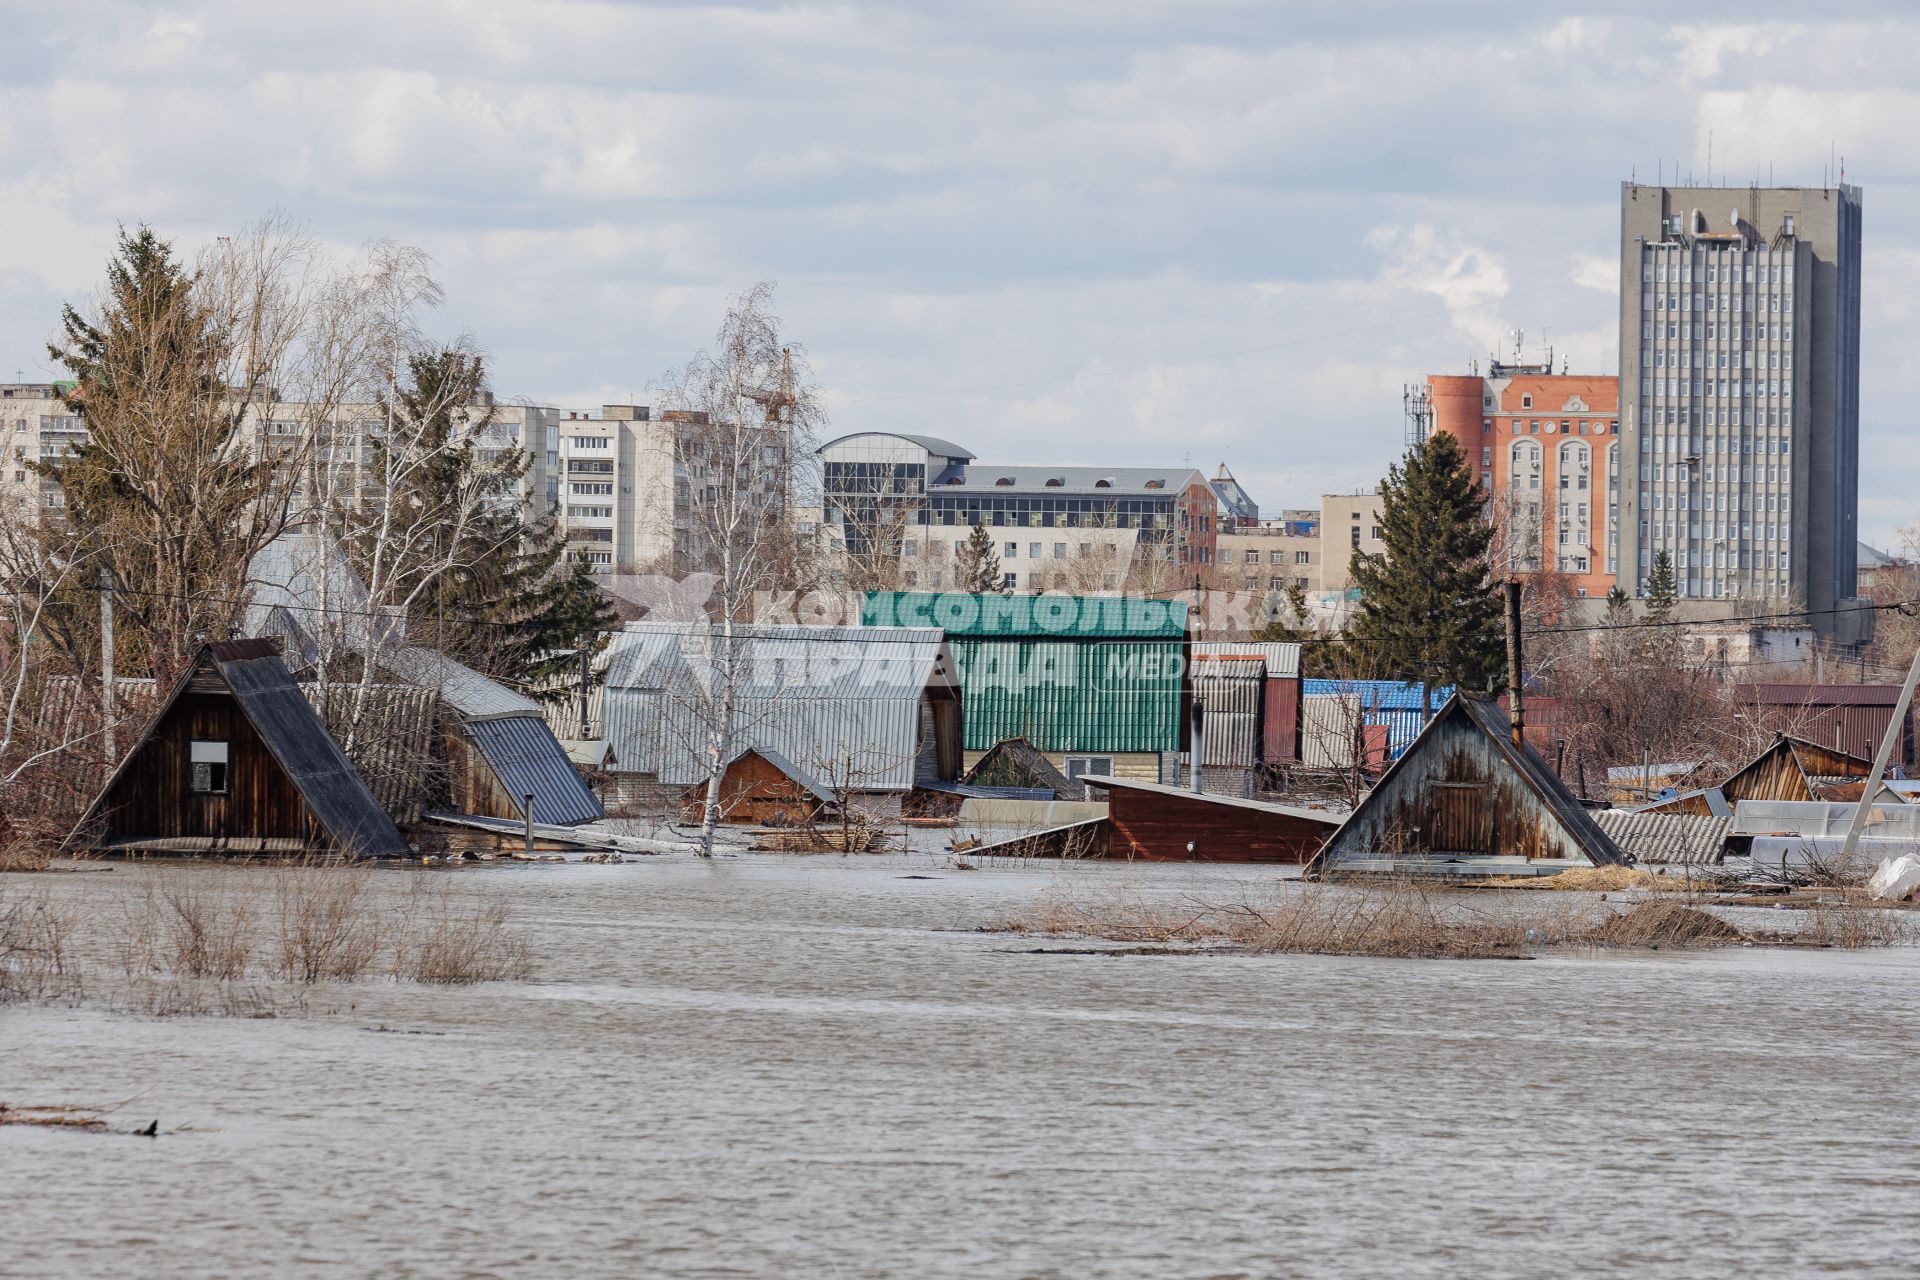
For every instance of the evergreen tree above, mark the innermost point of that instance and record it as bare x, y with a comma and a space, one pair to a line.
979, 566
479, 580
160, 496
1662, 589
1427, 609
1291, 622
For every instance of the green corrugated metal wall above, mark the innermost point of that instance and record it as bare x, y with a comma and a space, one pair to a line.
1069, 673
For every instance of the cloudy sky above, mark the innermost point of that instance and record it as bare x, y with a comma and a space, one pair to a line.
1072, 231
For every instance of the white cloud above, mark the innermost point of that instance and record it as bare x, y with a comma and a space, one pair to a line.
1123, 231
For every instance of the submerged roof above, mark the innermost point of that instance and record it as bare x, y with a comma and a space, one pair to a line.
791, 771
473, 695
1555, 803
1017, 757
529, 760
1214, 797
833, 700
294, 734
1666, 838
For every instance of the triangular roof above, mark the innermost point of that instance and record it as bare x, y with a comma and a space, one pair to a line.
793, 772
1810, 760
1025, 760
1557, 804
293, 732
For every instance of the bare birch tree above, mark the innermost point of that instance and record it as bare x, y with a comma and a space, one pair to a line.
745, 418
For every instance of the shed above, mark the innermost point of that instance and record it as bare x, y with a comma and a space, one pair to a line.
1465, 799
498, 746
1794, 769
762, 786
1847, 718
1165, 824
236, 760
1096, 683
1280, 705
1016, 764
869, 709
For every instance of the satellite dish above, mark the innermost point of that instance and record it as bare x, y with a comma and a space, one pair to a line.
1733, 219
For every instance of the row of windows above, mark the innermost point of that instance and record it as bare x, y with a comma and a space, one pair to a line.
1565, 427
1273, 557
1741, 359
1675, 331
1767, 303
1657, 266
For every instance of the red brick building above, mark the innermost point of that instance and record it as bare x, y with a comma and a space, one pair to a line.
1547, 449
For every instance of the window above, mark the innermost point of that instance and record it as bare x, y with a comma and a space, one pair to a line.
1033, 550
589, 442
1276, 557
594, 535
207, 764
1376, 534
1303, 557
1060, 551
1356, 536
1081, 766
1013, 551
909, 548
1009, 581
592, 490
1276, 584
1526, 402
589, 513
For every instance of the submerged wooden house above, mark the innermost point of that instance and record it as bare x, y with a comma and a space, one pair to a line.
1465, 799
1166, 824
1789, 769
236, 760
762, 787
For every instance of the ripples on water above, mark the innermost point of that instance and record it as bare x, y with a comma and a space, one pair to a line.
799, 1067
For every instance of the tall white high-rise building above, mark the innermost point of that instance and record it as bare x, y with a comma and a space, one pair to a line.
1740, 389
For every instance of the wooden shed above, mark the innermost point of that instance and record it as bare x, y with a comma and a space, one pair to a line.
236, 760
1795, 769
762, 787
1015, 762
1465, 799
1165, 824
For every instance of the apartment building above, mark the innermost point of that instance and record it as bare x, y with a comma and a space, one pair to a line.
336, 449
1546, 448
1349, 522
1076, 528
1272, 555
1740, 376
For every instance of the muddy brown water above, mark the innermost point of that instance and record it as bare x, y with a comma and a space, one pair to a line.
815, 1067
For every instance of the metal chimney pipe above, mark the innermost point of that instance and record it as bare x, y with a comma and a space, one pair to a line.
1517, 708
529, 811
1197, 742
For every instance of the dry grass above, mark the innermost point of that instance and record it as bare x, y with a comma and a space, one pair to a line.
35, 937
211, 929
321, 931
1662, 924
1411, 920
444, 943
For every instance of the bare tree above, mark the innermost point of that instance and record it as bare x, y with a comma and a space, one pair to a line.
745, 417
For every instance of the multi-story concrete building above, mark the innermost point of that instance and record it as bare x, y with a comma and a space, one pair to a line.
1546, 448
1740, 375
37, 424
1271, 556
1349, 522
1084, 529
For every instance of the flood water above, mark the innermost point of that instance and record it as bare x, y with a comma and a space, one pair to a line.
776, 1066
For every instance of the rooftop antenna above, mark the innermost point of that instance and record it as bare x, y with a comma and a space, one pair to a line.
1519, 342
1709, 157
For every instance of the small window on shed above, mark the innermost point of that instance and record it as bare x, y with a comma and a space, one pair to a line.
207, 766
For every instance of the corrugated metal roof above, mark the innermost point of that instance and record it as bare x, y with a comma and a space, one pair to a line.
1045, 616
1669, 838
1379, 695
1230, 691
1328, 730
1101, 696
306, 577
528, 759
473, 695
1819, 695
1283, 660
1823, 818
842, 703
394, 747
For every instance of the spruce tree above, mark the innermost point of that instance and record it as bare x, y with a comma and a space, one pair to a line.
1427, 609
1662, 589
484, 583
979, 567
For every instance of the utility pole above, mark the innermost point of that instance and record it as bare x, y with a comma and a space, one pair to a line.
1896, 730
586, 678
1519, 714
108, 688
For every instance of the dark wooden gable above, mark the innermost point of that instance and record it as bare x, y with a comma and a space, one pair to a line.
286, 778
1787, 770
